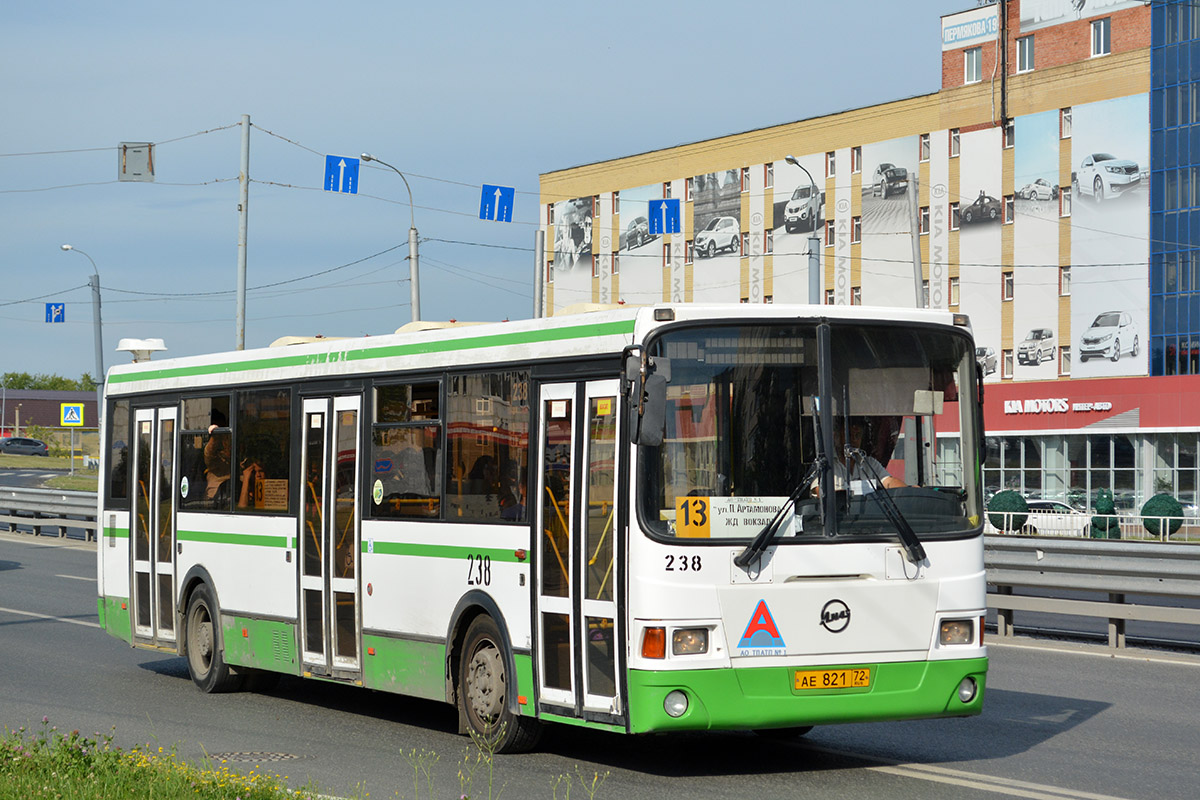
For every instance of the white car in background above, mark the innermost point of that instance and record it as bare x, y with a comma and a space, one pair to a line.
1104, 175
721, 233
1112, 334
1056, 518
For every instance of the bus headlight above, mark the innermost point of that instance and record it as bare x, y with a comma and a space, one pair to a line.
689, 641
957, 631
675, 704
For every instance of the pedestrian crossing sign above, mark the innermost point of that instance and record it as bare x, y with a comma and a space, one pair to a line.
72, 415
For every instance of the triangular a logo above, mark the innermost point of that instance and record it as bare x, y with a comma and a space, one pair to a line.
761, 631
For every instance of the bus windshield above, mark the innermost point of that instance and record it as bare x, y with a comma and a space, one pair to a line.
741, 434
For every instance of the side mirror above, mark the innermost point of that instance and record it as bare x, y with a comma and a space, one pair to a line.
645, 382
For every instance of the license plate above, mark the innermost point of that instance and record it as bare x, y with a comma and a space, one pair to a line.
856, 678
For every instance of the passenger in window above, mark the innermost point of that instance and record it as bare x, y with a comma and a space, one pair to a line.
217, 458
252, 477
512, 492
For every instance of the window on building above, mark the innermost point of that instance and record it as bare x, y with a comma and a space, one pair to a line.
856, 295
1064, 202
1009, 208
616, 201
924, 147
769, 241
829, 233
768, 299
830, 164
955, 219
688, 248
1064, 360
1008, 365
616, 262
1010, 134
596, 205
973, 65
924, 294
688, 187
829, 297
955, 142
550, 271
745, 179
745, 243
856, 159
1064, 281
769, 175
666, 190
1064, 123
666, 256
1006, 290
550, 213
923, 220
1025, 54
954, 291
855, 230
1102, 36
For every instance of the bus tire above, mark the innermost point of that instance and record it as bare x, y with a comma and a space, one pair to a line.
202, 628
783, 733
482, 692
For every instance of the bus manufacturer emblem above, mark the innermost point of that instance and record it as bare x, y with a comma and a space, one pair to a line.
761, 637
835, 616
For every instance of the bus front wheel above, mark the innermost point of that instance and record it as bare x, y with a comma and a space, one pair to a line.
205, 662
483, 689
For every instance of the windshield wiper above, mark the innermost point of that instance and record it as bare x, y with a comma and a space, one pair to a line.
772, 528
887, 505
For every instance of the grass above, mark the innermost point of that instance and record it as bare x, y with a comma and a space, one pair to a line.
84, 480
49, 764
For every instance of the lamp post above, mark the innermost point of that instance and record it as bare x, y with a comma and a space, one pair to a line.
412, 239
814, 243
98, 330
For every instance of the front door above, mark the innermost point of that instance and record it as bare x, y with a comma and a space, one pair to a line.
153, 526
329, 537
579, 633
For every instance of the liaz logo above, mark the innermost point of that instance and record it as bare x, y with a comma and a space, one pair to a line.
761, 637
835, 616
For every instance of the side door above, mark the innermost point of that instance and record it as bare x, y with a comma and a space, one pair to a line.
329, 538
579, 633
152, 526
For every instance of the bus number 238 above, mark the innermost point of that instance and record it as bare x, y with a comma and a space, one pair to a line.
479, 570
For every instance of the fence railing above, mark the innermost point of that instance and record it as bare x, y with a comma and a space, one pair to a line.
1097, 526
48, 508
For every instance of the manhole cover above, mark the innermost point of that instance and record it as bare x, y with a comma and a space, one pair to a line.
253, 756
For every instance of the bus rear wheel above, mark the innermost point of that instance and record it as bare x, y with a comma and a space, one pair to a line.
483, 690
205, 662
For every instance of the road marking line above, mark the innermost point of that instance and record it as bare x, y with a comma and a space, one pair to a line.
1098, 653
49, 616
76, 577
929, 772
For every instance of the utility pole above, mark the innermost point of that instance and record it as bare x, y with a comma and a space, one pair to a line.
914, 215
539, 270
243, 215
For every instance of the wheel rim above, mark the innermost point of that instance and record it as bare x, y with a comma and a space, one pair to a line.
200, 640
712, 249
1116, 350
485, 685
1099, 189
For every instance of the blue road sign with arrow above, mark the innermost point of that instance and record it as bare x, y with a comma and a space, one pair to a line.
664, 216
341, 174
496, 203
56, 312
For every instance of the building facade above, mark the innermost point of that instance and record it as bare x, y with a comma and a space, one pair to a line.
1049, 190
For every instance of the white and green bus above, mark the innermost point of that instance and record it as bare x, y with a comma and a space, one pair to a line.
666, 518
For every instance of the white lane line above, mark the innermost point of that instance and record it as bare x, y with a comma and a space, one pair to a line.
50, 617
929, 772
1100, 652
77, 577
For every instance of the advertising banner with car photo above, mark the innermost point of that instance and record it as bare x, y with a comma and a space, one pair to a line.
798, 213
888, 169
717, 236
572, 252
1035, 247
979, 218
640, 252
1110, 156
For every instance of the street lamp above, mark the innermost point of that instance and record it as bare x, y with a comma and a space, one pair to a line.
814, 243
412, 239
98, 328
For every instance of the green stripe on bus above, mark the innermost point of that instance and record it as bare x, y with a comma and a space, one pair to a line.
117, 533
258, 540
620, 327
440, 551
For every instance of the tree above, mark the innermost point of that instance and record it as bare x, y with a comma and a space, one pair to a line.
47, 383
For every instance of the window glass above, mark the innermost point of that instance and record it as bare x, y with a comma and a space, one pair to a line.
487, 436
264, 436
406, 451
118, 452
205, 455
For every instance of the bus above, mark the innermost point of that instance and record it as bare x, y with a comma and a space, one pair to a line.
666, 518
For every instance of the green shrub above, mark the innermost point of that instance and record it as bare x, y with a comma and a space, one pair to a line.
1008, 501
1162, 506
1105, 524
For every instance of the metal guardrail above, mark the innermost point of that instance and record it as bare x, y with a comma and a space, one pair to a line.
48, 508
1111, 567
1100, 526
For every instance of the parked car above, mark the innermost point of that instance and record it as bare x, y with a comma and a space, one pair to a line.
1038, 190
986, 356
20, 446
803, 209
637, 233
1056, 518
985, 207
721, 233
1104, 175
889, 179
1037, 347
1111, 334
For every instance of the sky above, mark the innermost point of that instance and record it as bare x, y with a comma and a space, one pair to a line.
454, 95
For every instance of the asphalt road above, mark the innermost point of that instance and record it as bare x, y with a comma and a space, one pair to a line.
1060, 721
